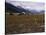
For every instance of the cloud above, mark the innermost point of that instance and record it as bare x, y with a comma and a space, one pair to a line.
28, 5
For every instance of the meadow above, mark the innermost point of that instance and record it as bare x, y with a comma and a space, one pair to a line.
24, 24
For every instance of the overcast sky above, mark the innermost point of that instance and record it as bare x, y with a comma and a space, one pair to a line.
28, 5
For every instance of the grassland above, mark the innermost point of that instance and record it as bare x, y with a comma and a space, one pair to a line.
24, 24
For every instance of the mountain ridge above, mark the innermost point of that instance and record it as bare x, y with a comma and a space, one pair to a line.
19, 9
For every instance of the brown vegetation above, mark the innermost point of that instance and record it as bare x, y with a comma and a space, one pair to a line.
24, 24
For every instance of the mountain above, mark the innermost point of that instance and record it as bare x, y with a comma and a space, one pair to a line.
42, 12
13, 8
34, 12
38, 12
18, 9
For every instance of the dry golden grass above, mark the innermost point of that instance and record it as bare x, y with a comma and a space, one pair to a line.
24, 24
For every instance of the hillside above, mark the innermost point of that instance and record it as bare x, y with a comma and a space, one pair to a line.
17, 9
